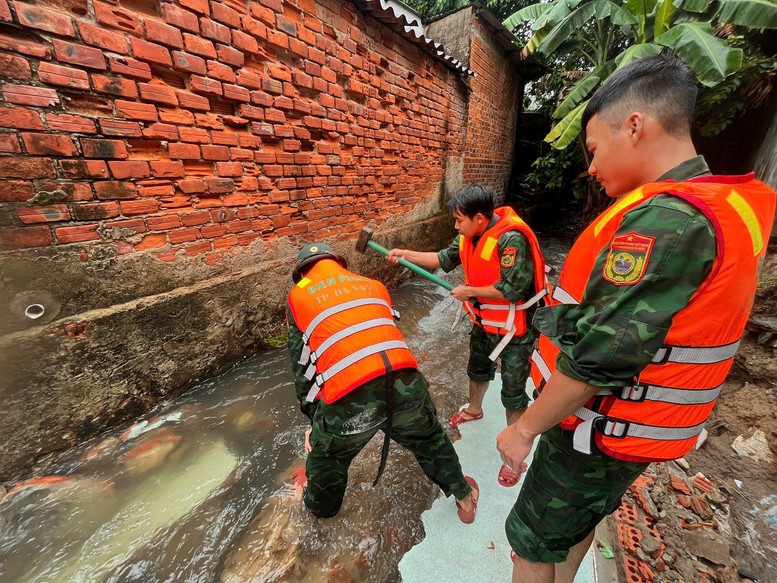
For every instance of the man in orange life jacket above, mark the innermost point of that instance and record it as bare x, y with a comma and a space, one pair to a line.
354, 376
504, 274
653, 299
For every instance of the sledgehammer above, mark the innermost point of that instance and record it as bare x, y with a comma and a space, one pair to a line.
365, 240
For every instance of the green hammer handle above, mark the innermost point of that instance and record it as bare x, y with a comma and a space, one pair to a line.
412, 266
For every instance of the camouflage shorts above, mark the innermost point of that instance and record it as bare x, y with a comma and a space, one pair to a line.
565, 495
515, 365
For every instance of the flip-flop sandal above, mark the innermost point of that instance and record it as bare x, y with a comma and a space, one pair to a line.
458, 417
468, 517
507, 477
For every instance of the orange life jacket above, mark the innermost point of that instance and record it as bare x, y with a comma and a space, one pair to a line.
347, 324
481, 265
662, 414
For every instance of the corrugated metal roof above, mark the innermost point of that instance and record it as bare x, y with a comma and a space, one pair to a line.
392, 16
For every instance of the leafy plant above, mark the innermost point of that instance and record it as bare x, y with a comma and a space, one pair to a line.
609, 34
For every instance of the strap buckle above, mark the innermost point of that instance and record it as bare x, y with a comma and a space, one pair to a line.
664, 356
636, 393
613, 427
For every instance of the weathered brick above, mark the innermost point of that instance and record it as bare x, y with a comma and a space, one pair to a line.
114, 86
220, 185
124, 20
213, 231
132, 110
130, 68
163, 33
96, 211
20, 118
222, 72
176, 116
115, 127
210, 152
198, 248
195, 218
129, 169
206, 85
151, 241
184, 151
44, 19
166, 168
129, 226
15, 67
245, 42
199, 6
83, 168
183, 236
229, 169
189, 100
152, 52
30, 95
214, 31
65, 76
63, 122
77, 234
139, 207
236, 93
16, 191
26, 167
9, 143
196, 135
25, 237
16, 45
189, 63
5, 12
81, 55
113, 190
157, 188
99, 37
192, 185
224, 14
44, 214
199, 46
158, 92
180, 18
163, 223
105, 149
161, 131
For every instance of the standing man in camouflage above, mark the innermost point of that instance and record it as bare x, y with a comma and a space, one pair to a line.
654, 297
354, 376
504, 274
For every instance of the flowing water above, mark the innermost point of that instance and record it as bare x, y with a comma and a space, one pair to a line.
199, 490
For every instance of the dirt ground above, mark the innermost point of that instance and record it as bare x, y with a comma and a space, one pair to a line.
676, 525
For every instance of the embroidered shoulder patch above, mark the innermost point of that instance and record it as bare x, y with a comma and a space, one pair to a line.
628, 258
508, 257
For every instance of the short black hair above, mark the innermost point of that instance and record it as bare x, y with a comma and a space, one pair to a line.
472, 199
662, 85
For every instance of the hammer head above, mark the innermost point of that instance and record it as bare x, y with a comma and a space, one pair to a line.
364, 237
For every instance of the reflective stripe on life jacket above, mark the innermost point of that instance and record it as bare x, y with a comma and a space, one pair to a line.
662, 414
481, 265
347, 324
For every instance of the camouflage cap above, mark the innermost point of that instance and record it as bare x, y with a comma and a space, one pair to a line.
311, 253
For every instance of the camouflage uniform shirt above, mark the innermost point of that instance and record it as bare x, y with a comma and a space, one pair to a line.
616, 330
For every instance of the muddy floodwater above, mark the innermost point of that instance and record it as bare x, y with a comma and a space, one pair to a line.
200, 489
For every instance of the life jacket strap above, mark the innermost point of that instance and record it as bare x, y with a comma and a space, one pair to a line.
563, 296
639, 392
541, 365
582, 439
694, 354
312, 356
344, 363
342, 308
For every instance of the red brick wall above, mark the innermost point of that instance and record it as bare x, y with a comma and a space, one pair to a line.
195, 128
494, 106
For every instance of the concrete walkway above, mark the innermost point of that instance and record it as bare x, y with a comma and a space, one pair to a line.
479, 552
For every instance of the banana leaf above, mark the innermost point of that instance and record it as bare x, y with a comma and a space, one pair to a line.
533, 12
635, 52
711, 59
758, 14
664, 13
579, 91
565, 131
567, 27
